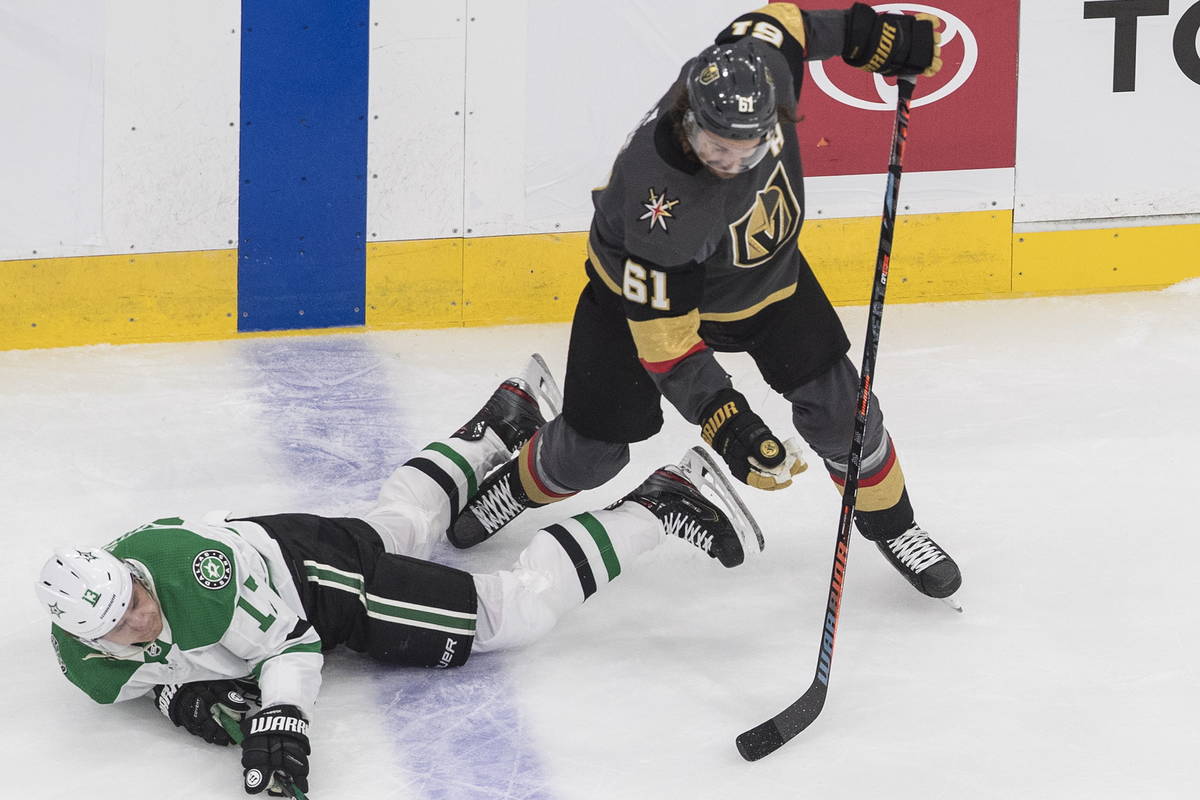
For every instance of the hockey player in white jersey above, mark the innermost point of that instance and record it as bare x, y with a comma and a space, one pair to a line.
204, 614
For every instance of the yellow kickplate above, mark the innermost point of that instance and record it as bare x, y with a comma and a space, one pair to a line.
157, 297
1105, 259
415, 284
934, 256
516, 279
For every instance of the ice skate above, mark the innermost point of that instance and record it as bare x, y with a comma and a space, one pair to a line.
924, 564
673, 495
498, 502
513, 410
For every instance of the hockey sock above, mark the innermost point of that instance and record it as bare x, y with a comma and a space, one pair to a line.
880, 481
563, 565
597, 545
421, 498
886, 523
539, 488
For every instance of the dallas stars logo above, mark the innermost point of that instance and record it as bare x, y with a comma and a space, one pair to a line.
658, 209
56, 611
87, 555
212, 569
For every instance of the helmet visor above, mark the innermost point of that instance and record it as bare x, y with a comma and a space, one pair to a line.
724, 156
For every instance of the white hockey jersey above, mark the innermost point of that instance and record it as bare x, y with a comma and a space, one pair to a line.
230, 610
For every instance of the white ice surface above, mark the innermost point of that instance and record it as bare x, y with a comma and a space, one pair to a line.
1050, 444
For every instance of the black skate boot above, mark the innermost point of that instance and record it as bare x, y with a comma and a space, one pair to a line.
512, 411
499, 500
671, 494
923, 564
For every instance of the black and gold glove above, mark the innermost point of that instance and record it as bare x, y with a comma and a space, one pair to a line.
755, 456
892, 44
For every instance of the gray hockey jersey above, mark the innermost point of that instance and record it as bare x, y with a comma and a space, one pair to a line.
682, 246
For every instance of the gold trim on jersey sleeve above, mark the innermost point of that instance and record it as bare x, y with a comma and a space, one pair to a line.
730, 316
789, 16
665, 338
601, 271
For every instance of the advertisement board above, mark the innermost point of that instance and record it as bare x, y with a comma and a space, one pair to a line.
1108, 112
964, 117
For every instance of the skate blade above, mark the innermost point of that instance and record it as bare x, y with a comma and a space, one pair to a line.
700, 468
952, 601
541, 383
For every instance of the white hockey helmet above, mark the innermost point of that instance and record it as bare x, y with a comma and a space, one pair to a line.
85, 591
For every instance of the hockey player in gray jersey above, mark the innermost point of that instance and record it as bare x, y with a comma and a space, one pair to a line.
693, 249
204, 614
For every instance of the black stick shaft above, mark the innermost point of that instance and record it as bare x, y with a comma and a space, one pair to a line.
766, 738
867, 374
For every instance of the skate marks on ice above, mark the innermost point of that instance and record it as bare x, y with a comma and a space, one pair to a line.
328, 402
328, 405
462, 732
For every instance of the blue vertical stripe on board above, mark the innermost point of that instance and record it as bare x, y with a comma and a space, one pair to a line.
302, 210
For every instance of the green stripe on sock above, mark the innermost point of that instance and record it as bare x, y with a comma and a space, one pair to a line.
459, 461
600, 537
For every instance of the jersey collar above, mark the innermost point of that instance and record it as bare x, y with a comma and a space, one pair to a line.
667, 145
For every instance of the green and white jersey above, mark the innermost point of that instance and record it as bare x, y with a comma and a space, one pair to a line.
230, 610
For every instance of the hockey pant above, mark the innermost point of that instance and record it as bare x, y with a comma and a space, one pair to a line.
822, 413
560, 568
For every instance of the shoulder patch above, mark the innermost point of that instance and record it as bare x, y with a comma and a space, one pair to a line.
658, 208
212, 569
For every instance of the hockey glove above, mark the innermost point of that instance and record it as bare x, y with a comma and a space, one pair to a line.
190, 706
755, 456
275, 750
892, 44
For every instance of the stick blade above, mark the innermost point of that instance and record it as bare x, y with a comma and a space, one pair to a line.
759, 741
764, 739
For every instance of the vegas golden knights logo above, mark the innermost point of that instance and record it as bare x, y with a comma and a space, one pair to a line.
772, 220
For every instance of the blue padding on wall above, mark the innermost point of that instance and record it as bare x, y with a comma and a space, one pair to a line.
303, 190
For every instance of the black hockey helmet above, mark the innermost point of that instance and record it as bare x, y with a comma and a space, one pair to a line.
731, 92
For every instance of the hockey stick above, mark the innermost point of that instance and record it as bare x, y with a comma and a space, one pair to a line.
768, 737
231, 726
